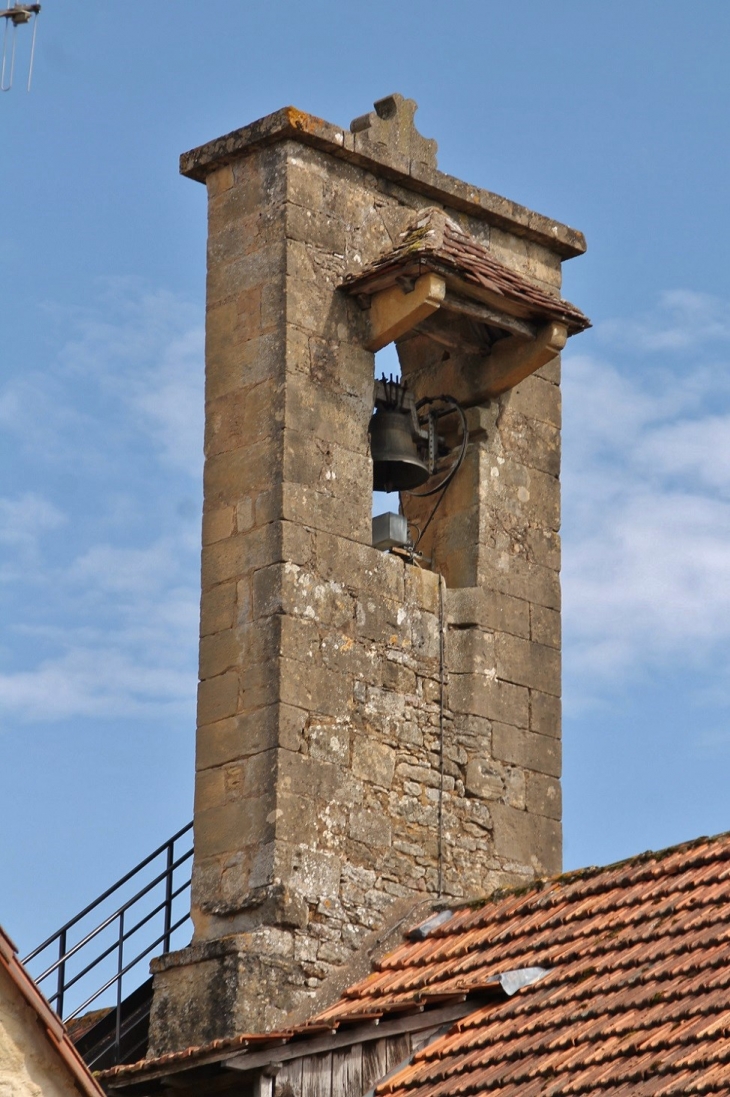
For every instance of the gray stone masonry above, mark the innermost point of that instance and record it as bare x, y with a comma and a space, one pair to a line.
318, 749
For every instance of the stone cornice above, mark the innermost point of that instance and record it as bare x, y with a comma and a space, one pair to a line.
387, 162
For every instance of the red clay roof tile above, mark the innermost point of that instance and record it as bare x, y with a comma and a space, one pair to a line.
636, 999
436, 243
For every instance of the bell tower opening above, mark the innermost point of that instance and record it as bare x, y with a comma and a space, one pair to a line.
387, 364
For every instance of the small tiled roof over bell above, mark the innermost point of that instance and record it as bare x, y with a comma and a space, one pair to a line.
625, 975
435, 243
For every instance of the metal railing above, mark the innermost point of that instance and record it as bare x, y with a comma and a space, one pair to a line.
150, 916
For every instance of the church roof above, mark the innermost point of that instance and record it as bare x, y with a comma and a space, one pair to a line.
625, 975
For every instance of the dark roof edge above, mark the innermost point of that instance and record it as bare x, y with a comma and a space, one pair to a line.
292, 124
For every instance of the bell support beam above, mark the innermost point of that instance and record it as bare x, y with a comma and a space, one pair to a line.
514, 359
474, 379
394, 312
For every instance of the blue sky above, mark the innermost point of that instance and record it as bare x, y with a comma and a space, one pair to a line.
611, 118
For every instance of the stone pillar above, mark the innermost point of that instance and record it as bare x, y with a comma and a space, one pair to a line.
320, 706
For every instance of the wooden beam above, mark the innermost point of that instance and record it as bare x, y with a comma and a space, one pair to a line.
345, 1037
483, 314
514, 359
393, 312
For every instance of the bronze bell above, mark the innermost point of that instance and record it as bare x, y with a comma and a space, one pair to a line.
397, 465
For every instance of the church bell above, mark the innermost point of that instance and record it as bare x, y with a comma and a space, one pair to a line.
394, 436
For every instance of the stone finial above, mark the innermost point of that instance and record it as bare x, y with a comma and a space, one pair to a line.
389, 132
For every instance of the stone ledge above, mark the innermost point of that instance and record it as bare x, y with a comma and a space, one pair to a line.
290, 124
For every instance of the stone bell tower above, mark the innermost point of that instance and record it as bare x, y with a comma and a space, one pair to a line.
372, 729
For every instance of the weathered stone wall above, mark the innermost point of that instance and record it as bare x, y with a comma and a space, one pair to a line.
325, 711
29, 1065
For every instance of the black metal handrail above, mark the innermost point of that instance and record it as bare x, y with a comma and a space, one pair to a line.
168, 881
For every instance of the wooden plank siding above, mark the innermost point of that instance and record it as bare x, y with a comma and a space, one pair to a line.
345, 1072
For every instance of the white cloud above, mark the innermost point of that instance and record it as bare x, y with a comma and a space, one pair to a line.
146, 348
682, 320
101, 681
132, 367
101, 535
23, 520
171, 401
125, 645
646, 494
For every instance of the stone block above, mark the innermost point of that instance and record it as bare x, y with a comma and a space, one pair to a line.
238, 352
217, 698
487, 609
470, 651
241, 553
218, 609
535, 398
340, 652
545, 626
526, 663
315, 225
540, 753
360, 566
259, 641
245, 272
306, 506
543, 547
506, 572
259, 685
315, 689
534, 443
244, 417
327, 415
234, 826
308, 777
209, 789
528, 840
228, 477
483, 780
329, 742
326, 466
545, 714
218, 523
421, 587
543, 795
373, 761
219, 180
370, 827
315, 875
483, 695
219, 652
240, 736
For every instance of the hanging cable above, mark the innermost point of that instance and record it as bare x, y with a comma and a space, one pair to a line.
442, 749
443, 485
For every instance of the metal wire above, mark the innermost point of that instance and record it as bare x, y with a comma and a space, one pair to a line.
7, 86
442, 761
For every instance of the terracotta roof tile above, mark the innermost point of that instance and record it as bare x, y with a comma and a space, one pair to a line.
436, 243
636, 999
